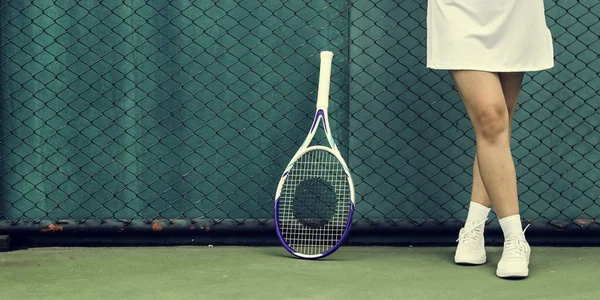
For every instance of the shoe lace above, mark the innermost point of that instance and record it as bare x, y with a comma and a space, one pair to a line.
515, 245
470, 233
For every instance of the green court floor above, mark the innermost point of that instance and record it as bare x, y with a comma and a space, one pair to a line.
270, 273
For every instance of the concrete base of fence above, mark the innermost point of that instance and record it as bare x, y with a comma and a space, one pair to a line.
262, 233
4, 243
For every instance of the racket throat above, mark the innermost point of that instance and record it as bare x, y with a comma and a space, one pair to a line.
321, 118
320, 115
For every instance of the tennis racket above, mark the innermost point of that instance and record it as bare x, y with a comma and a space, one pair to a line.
314, 203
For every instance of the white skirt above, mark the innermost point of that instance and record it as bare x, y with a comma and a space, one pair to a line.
488, 35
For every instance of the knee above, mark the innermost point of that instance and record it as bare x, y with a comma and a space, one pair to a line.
491, 123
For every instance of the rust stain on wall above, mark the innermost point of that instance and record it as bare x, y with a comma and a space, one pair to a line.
156, 227
52, 227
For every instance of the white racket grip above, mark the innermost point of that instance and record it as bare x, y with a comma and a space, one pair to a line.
324, 79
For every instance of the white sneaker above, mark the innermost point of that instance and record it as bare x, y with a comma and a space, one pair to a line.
471, 245
515, 257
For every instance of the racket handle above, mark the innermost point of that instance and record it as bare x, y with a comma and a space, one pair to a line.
324, 79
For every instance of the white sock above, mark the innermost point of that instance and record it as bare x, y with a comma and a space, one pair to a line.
477, 213
511, 225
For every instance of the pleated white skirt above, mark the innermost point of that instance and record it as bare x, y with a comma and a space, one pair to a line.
488, 35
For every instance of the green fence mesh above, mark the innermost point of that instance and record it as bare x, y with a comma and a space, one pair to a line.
135, 111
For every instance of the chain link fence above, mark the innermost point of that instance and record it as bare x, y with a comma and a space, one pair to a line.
181, 115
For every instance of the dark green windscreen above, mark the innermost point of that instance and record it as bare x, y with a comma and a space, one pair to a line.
192, 110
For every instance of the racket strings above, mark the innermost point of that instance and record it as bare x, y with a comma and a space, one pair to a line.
315, 203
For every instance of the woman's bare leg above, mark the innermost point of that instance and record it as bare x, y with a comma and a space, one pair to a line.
484, 99
484, 96
511, 86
